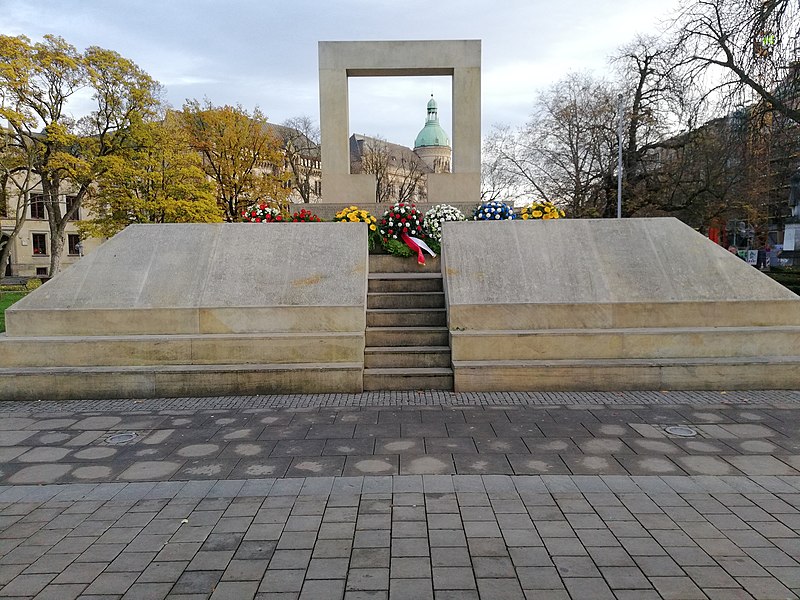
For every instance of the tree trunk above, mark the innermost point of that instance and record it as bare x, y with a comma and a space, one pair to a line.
58, 225
6, 248
56, 250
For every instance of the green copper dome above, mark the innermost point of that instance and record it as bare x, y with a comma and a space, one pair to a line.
432, 134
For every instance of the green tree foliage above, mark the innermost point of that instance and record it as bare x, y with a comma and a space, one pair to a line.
159, 180
240, 155
37, 80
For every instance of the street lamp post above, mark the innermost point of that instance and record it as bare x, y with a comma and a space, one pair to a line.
619, 156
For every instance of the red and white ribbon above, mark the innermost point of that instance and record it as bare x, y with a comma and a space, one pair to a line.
418, 246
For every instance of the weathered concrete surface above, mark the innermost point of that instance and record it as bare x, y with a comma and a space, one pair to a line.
596, 262
198, 349
196, 309
611, 304
460, 59
187, 278
174, 381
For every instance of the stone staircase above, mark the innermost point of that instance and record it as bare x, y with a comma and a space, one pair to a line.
407, 341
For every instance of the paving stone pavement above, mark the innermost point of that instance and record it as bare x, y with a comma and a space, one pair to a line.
403, 496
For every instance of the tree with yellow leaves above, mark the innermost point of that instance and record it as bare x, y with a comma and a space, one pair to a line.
239, 154
37, 81
161, 180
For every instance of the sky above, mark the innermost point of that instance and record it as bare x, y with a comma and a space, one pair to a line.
264, 53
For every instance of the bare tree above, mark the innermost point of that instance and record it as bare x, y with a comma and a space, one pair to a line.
565, 150
748, 48
301, 142
373, 158
701, 174
656, 99
498, 182
400, 174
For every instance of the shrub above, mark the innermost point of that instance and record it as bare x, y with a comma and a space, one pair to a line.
32, 284
398, 248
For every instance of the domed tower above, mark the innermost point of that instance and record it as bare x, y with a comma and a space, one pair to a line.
432, 144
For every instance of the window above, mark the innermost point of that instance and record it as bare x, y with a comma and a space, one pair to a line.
37, 207
70, 202
318, 187
39, 244
74, 244
41, 271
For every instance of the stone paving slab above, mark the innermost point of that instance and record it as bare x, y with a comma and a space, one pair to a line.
774, 398
412, 536
76, 444
403, 495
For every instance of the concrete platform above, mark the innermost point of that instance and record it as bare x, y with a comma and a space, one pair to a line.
196, 309
611, 305
206, 278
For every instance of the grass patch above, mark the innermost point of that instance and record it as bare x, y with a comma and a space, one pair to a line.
6, 300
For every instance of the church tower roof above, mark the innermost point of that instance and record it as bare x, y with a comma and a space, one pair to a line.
432, 134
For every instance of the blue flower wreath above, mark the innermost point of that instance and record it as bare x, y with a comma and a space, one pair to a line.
494, 211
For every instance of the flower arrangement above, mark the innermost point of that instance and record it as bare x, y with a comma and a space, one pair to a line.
263, 213
541, 210
494, 211
436, 216
401, 217
353, 214
304, 216
402, 225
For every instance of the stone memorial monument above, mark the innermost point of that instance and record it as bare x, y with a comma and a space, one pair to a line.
236, 308
460, 59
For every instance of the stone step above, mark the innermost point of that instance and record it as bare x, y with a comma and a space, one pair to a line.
624, 343
407, 357
407, 336
405, 300
749, 372
198, 349
175, 381
405, 282
408, 317
619, 315
183, 321
386, 263
408, 379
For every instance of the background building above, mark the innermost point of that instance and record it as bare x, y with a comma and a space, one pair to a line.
401, 172
29, 255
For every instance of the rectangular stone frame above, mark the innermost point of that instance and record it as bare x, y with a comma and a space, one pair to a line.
460, 59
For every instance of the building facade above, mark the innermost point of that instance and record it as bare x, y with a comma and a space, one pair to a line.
29, 255
401, 172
